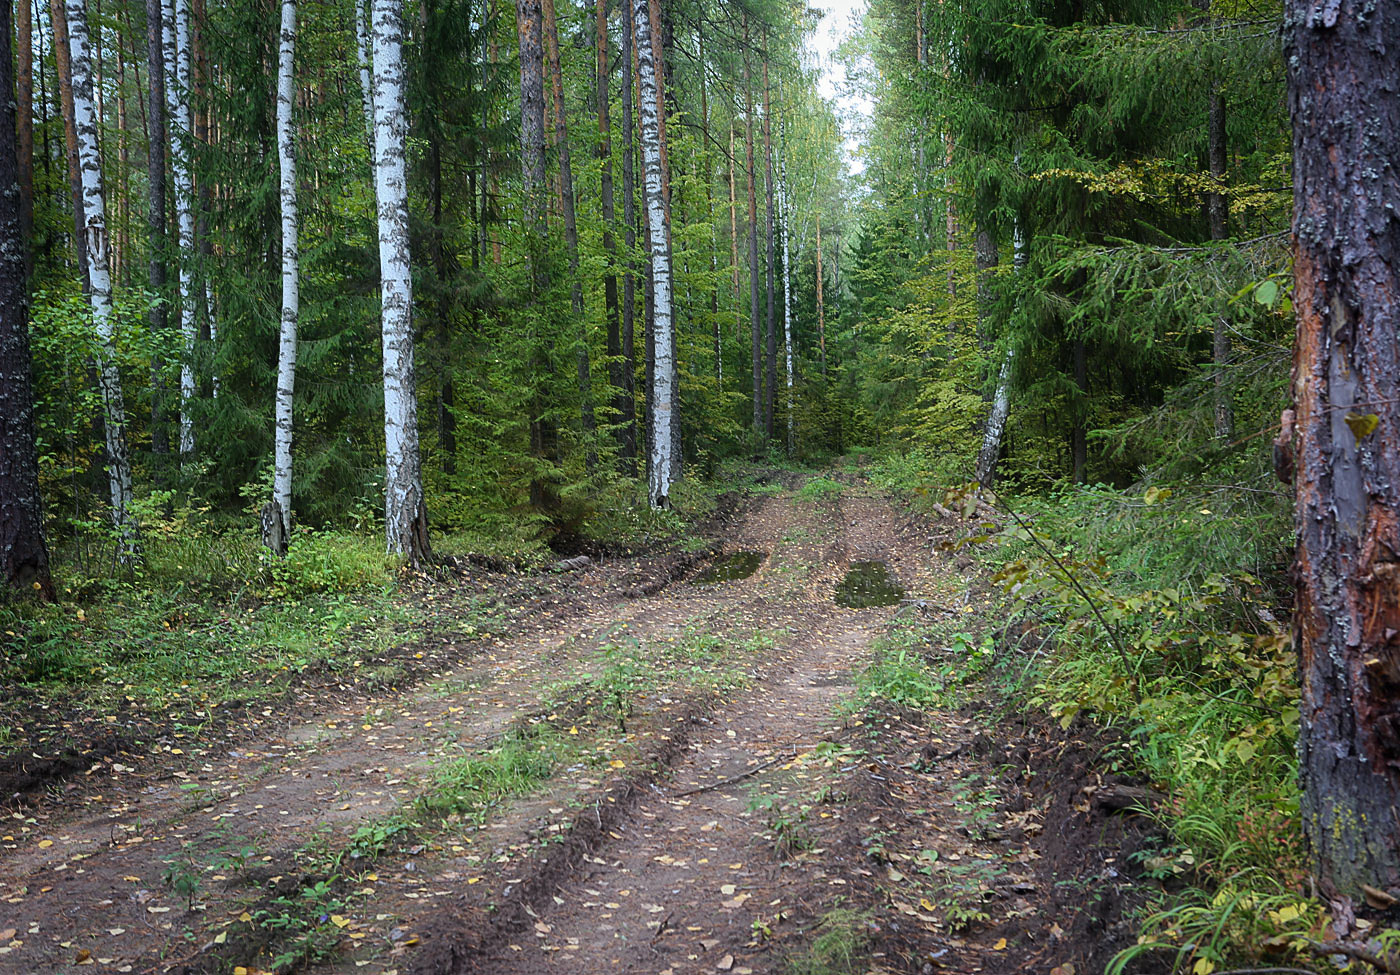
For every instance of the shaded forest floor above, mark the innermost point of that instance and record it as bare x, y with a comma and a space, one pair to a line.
626, 769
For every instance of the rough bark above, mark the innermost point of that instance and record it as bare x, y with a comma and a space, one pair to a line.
24, 125
24, 554
629, 242
85, 124
567, 207
1342, 79
405, 512
785, 215
1078, 435
986, 257
291, 297
661, 445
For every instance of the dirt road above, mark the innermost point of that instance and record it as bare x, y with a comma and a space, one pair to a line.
622, 782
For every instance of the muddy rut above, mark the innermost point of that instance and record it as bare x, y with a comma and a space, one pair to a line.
709, 807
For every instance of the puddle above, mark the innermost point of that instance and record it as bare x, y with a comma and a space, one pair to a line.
868, 584
727, 568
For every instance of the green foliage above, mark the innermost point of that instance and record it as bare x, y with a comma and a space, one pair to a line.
842, 939
819, 489
472, 786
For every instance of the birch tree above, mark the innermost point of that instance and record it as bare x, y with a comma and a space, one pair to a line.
995, 430
177, 98
365, 57
85, 123
281, 513
663, 320
155, 210
405, 513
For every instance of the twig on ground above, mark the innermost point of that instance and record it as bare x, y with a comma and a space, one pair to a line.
735, 778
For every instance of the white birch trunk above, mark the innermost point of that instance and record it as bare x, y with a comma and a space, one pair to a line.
663, 317
95, 243
995, 430
291, 298
177, 96
405, 515
787, 285
366, 59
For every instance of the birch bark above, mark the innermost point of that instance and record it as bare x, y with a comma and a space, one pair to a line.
405, 513
995, 430
291, 298
365, 57
96, 247
663, 393
177, 97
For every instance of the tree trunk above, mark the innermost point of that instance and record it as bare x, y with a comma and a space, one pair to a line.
986, 256
85, 124
995, 430
615, 359
62, 57
771, 321
1346, 383
291, 297
785, 215
1079, 447
629, 246
177, 94
155, 215
24, 554
566, 205
821, 305
365, 57
405, 511
661, 443
24, 93
755, 322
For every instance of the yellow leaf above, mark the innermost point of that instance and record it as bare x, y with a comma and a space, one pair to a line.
1361, 425
1203, 966
926, 904
221, 937
45, 844
339, 921
616, 763
1000, 945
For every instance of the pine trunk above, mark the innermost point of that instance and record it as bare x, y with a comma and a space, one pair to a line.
291, 297
405, 511
24, 554
615, 358
821, 304
1346, 383
85, 124
1218, 210
24, 131
567, 206
155, 215
661, 445
755, 322
62, 57
784, 215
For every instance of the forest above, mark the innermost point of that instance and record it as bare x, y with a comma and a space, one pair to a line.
693, 485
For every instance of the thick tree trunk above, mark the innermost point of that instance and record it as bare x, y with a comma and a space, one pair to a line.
24, 554
661, 445
986, 257
567, 206
155, 215
85, 124
1342, 69
995, 430
63, 66
405, 511
1078, 435
291, 296
755, 322
616, 364
771, 320
177, 93
629, 246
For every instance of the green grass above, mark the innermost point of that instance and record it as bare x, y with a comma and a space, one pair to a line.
841, 942
819, 488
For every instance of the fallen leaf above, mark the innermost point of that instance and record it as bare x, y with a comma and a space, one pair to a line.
726, 963
45, 844
1000, 945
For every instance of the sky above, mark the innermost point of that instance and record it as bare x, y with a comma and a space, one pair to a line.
853, 110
